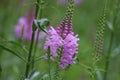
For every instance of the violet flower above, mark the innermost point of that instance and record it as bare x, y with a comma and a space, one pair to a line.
69, 50
68, 43
25, 23
62, 41
53, 40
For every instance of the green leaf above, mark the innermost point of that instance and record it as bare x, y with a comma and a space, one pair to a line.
15, 48
116, 52
41, 28
98, 73
38, 59
110, 26
33, 75
43, 76
23, 47
44, 22
11, 51
84, 66
41, 24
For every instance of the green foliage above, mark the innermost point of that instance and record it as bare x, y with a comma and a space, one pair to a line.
10, 45
41, 24
13, 53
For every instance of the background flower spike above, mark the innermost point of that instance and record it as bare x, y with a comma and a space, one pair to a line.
100, 33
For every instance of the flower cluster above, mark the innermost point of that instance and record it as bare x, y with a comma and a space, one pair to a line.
68, 43
62, 41
69, 50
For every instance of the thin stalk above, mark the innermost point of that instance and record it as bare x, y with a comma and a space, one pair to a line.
49, 63
28, 65
49, 69
36, 43
39, 15
57, 73
29, 55
108, 57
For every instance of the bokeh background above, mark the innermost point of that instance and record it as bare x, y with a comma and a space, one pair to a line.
85, 20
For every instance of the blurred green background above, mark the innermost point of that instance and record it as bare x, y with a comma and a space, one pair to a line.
85, 19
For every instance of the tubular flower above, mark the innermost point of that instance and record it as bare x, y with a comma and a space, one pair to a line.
69, 45
69, 50
53, 40
62, 42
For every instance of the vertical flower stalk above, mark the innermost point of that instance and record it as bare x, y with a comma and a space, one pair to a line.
62, 42
100, 34
98, 46
39, 15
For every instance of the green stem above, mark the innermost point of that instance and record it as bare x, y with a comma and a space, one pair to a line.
57, 73
29, 55
39, 15
108, 57
28, 65
49, 63
49, 69
36, 43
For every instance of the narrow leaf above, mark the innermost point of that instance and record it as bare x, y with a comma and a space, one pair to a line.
43, 76
11, 51
33, 75
38, 59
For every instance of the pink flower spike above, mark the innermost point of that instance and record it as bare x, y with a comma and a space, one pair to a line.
68, 44
53, 40
69, 50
